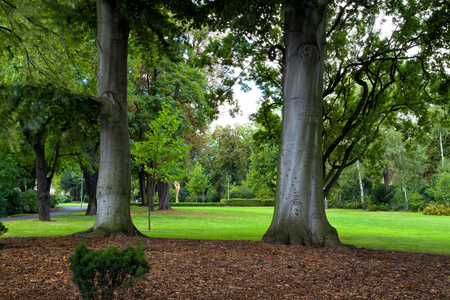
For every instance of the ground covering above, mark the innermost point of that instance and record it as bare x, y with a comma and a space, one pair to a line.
212, 269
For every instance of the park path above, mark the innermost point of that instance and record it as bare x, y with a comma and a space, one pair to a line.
57, 211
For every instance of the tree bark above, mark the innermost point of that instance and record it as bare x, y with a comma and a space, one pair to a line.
151, 191
43, 182
163, 195
91, 180
114, 181
361, 186
141, 175
299, 215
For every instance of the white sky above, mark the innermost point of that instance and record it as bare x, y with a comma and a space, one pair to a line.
247, 103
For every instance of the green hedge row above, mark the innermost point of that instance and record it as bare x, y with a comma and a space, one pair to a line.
248, 202
184, 204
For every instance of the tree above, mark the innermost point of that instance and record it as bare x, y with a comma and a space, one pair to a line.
42, 112
406, 161
162, 153
197, 181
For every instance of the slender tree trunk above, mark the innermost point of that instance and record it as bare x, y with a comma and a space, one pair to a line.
142, 184
43, 183
91, 180
442, 148
299, 215
163, 195
114, 181
90, 174
151, 190
361, 186
386, 176
406, 197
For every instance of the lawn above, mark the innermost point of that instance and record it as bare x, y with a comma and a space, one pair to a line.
400, 231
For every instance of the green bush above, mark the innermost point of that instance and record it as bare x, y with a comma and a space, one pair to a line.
378, 207
97, 274
62, 199
438, 210
241, 192
344, 204
3, 229
212, 196
29, 198
248, 202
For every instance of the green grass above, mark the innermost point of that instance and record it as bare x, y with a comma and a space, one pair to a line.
400, 231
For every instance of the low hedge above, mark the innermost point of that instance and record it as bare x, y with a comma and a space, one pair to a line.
184, 204
248, 202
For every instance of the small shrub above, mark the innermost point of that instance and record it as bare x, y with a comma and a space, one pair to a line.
3, 229
97, 274
438, 210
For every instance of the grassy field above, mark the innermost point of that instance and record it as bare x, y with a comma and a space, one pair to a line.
400, 231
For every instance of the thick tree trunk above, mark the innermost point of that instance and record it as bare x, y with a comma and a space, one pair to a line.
163, 195
114, 181
299, 215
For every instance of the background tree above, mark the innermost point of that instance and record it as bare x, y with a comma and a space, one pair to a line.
198, 181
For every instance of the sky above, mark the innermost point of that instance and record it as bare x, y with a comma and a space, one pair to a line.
247, 103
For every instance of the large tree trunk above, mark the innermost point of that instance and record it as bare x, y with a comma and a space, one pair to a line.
114, 181
299, 215
163, 195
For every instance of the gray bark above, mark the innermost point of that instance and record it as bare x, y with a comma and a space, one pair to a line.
114, 181
299, 215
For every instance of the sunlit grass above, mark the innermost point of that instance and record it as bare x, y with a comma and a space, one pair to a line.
400, 231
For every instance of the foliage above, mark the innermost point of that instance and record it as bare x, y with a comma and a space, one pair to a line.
162, 153
248, 202
440, 190
437, 209
99, 273
3, 229
241, 191
198, 181
212, 196
382, 195
70, 182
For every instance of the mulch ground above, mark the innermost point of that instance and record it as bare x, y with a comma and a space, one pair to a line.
37, 268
